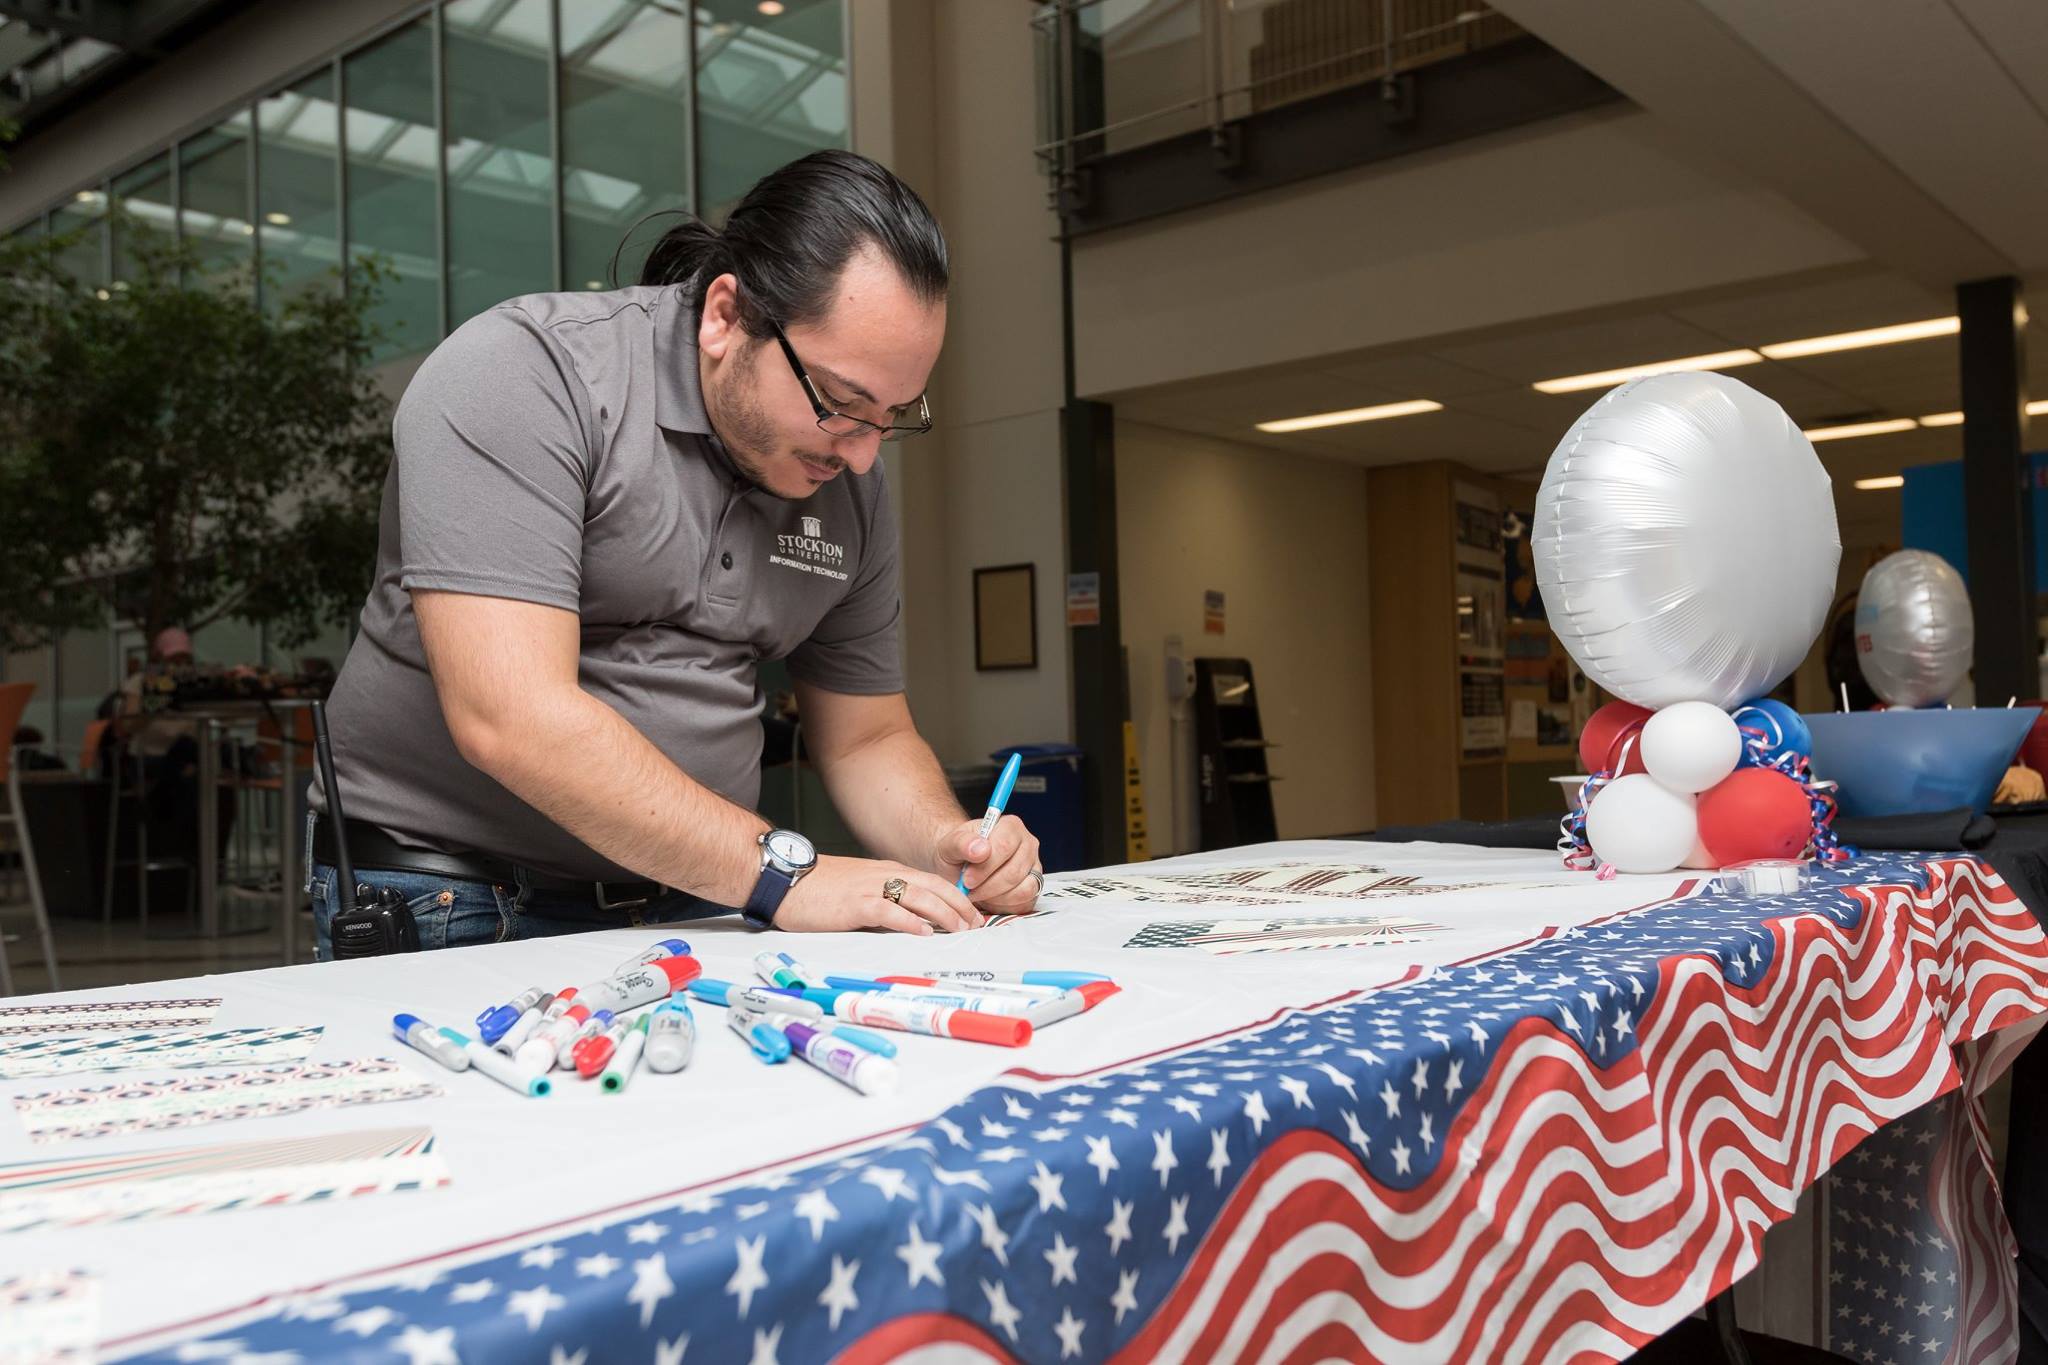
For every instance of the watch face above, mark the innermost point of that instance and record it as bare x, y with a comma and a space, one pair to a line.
791, 849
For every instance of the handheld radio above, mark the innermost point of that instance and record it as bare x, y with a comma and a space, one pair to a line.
369, 921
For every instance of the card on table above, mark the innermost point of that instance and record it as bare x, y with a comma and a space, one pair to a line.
23, 1059
49, 1317
101, 1016
1265, 884
1228, 937
103, 1110
75, 1191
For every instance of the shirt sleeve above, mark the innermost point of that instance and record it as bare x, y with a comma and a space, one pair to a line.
856, 647
493, 448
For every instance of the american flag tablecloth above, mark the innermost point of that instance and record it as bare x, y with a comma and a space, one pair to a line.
1550, 1154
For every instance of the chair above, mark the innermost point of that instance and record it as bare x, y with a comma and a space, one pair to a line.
133, 766
14, 698
89, 747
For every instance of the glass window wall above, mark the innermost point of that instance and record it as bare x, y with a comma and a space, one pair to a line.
298, 188
769, 90
143, 207
625, 132
214, 211
393, 164
501, 171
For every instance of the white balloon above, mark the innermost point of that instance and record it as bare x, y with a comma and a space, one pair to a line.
1914, 630
1640, 825
1691, 745
1685, 541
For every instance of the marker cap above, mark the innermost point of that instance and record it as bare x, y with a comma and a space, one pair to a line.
401, 1023
1003, 1030
1095, 992
710, 988
681, 970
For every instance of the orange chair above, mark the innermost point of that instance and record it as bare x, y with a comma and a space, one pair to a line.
89, 747
14, 698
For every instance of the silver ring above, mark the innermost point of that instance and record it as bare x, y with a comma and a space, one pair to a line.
1038, 877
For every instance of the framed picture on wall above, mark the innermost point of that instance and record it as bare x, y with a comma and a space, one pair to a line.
1006, 617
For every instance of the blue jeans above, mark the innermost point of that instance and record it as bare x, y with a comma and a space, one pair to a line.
454, 913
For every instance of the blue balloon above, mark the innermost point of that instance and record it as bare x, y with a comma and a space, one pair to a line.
1782, 729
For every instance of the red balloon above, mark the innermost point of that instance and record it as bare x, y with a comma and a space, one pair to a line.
1755, 813
1600, 743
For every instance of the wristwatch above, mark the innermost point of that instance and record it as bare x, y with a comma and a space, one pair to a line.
785, 857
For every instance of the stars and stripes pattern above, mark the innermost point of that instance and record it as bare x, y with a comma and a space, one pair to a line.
1551, 1154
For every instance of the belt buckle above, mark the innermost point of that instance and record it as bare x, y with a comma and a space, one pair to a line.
605, 903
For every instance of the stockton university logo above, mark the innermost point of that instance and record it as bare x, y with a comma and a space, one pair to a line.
810, 552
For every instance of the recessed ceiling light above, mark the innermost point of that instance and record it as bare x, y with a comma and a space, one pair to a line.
1411, 408
2038, 407
593, 284
1607, 379
1942, 419
1843, 433
1888, 481
276, 219
1870, 336
771, 8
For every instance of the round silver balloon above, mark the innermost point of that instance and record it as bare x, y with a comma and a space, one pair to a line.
1685, 541
1914, 632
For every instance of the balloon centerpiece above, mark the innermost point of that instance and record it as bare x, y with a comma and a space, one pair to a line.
1686, 549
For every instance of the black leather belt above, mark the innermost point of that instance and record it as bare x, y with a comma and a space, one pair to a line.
370, 848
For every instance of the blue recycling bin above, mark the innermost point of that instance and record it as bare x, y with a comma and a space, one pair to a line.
1049, 799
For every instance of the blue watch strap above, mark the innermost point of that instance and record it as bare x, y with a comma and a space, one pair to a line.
769, 889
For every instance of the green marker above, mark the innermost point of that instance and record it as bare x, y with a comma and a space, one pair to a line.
626, 1059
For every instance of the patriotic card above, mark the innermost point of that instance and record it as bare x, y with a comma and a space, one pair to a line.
100, 1016
1228, 937
61, 1056
89, 1111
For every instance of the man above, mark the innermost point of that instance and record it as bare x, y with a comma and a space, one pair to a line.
605, 510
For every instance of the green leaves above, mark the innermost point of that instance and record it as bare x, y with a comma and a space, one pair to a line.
172, 451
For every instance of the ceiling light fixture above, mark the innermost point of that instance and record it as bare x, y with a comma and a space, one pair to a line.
771, 8
1843, 433
1942, 419
1854, 341
1888, 481
2038, 408
1607, 379
1412, 408
276, 219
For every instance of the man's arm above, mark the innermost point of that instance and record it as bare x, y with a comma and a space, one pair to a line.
889, 788
505, 672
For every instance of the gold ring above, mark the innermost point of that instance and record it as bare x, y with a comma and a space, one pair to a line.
893, 889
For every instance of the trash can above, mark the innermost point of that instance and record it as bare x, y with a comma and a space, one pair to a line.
1050, 800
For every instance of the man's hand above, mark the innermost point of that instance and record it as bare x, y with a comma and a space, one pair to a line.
847, 893
998, 868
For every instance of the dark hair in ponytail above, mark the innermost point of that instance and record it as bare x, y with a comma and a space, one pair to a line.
792, 234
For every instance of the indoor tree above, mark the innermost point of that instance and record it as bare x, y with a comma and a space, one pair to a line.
211, 454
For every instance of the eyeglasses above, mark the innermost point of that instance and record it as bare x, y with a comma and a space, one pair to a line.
845, 424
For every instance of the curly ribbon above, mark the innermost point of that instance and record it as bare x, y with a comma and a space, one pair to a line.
1571, 831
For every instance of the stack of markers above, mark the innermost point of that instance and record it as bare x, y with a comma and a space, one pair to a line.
585, 1029
802, 1012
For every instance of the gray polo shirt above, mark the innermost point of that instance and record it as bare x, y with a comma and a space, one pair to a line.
556, 450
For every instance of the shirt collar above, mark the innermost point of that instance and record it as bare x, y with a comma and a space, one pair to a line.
679, 400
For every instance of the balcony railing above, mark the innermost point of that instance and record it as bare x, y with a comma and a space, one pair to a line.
1118, 74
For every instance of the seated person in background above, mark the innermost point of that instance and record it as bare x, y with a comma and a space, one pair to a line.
29, 753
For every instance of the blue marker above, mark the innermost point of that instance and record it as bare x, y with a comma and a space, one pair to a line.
805, 976
1005, 784
758, 998
668, 947
861, 1038
770, 1044
1061, 981
416, 1032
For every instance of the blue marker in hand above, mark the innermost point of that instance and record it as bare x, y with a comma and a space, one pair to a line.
1004, 786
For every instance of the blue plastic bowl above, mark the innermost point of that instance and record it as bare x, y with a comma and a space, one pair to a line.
1916, 762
